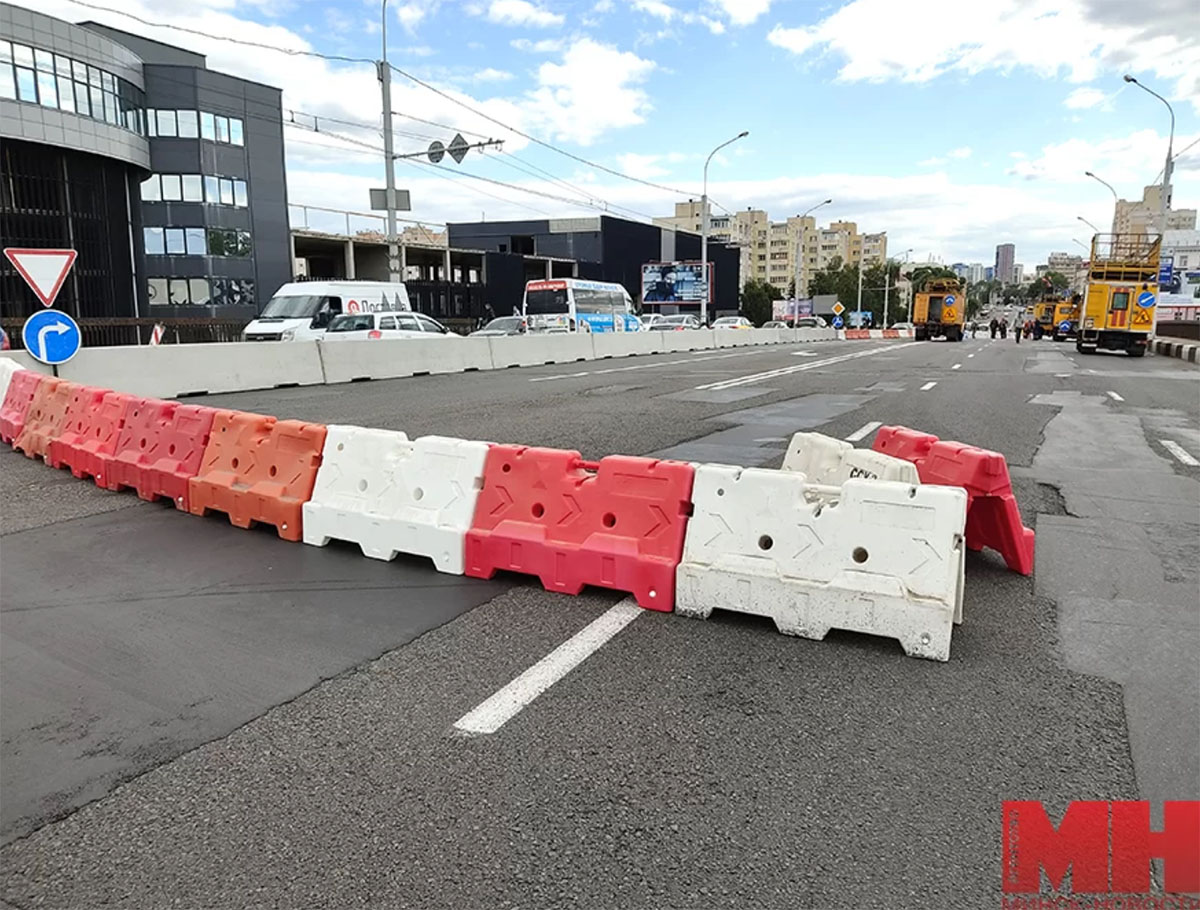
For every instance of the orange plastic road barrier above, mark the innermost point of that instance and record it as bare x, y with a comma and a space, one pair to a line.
90, 434
47, 416
618, 523
857, 334
258, 469
159, 449
993, 519
17, 401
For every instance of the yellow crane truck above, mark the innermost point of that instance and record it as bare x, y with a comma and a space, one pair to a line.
939, 309
1122, 294
1056, 317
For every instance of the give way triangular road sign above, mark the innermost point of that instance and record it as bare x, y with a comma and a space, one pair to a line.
43, 270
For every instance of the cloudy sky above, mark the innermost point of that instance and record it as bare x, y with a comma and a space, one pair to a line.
953, 125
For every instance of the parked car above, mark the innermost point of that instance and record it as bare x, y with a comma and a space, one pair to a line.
373, 326
676, 323
811, 322
502, 325
775, 324
650, 320
732, 322
903, 326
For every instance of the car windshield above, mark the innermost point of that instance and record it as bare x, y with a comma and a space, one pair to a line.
356, 322
539, 303
505, 323
727, 320
302, 307
677, 320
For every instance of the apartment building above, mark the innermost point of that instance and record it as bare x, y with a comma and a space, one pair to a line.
781, 252
1140, 216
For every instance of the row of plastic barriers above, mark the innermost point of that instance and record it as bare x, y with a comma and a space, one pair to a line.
869, 541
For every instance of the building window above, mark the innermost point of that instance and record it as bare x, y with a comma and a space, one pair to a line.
228, 242
195, 188
178, 291
208, 128
151, 189
166, 124
154, 241
176, 244
157, 291
196, 245
26, 85
197, 124
235, 131
240, 197
198, 290
188, 126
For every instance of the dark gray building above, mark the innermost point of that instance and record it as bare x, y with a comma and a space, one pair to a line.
167, 177
604, 249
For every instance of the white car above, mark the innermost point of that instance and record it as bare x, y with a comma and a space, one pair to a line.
650, 320
903, 326
375, 326
733, 322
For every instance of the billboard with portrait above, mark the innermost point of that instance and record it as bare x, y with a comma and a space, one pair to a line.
674, 282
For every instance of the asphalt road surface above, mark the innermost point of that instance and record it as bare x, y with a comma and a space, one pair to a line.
199, 716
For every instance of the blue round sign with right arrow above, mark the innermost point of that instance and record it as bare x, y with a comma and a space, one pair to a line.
51, 336
1145, 299
838, 322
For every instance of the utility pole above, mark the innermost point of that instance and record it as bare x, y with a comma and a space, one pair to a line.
704, 229
389, 169
1166, 181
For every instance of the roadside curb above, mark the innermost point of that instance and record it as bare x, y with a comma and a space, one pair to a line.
1179, 349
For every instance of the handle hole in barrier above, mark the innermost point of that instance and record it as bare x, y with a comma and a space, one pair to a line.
97, 430
765, 542
860, 554
171, 449
234, 463
609, 520
720, 491
418, 494
272, 471
142, 444
538, 510
506, 468
341, 447
362, 486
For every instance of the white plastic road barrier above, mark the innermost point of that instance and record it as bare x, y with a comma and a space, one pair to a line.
7, 368
390, 494
825, 460
885, 559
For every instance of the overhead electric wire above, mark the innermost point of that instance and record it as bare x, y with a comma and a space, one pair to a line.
446, 175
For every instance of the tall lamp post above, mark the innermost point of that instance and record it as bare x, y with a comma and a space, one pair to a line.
1166, 181
887, 280
704, 227
800, 245
1095, 229
1116, 201
389, 164
1087, 249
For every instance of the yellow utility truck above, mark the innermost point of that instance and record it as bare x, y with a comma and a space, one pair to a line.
1122, 294
939, 309
1056, 317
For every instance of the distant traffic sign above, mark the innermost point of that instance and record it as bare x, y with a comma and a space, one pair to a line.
51, 336
838, 321
1145, 299
43, 270
838, 309
950, 300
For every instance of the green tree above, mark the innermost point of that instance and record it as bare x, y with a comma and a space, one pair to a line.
756, 300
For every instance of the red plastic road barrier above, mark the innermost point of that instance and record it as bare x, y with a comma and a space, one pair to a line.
993, 519
891, 333
21, 389
89, 437
46, 416
857, 334
159, 449
617, 524
257, 468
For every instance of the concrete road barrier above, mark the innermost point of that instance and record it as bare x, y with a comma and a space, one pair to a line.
535, 350
346, 361
1183, 350
173, 370
687, 340
625, 344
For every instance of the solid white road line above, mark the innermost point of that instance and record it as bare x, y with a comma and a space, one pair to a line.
804, 353
799, 368
928, 386
559, 376
1115, 397
504, 705
957, 366
864, 430
969, 356
1182, 454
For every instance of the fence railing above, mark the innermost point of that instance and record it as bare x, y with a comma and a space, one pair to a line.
108, 332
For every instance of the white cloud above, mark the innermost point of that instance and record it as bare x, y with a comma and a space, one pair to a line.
413, 12
594, 89
603, 6
1084, 98
667, 13
522, 12
545, 46
931, 162
489, 74
656, 8
1127, 162
642, 166
880, 40
963, 151
741, 12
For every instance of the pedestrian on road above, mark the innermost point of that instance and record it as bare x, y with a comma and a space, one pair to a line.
1003, 326
994, 325
1017, 330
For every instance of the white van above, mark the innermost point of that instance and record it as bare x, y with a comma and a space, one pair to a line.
301, 310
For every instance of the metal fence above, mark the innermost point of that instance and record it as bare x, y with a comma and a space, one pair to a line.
113, 331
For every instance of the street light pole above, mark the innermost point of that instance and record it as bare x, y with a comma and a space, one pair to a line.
800, 246
887, 280
1116, 201
704, 227
1086, 248
1166, 181
389, 168
1095, 229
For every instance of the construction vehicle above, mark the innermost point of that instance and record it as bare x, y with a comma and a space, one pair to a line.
1056, 317
939, 309
1122, 294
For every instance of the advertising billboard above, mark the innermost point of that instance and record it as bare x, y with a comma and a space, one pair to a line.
674, 282
790, 310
